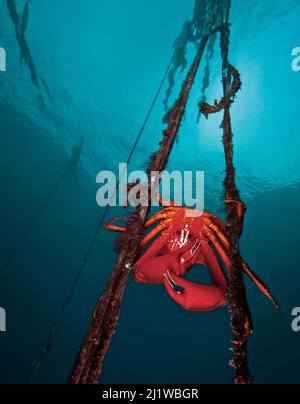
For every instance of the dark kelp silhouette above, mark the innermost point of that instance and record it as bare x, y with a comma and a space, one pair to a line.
207, 14
206, 78
74, 159
20, 23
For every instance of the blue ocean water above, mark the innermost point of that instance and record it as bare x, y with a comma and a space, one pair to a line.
99, 65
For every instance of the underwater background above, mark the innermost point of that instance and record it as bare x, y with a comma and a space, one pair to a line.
74, 108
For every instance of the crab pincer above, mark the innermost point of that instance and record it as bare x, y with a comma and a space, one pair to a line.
192, 296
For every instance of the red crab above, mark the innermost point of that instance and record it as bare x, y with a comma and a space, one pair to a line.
187, 237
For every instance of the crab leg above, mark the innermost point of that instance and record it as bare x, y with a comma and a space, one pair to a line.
165, 203
164, 214
218, 222
259, 284
241, 207
219, 248
225, 258
110, 226
241, 211
162, 226
153, 250
211, 225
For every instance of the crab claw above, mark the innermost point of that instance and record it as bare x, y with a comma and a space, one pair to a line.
151, 267
192, 296
152, 271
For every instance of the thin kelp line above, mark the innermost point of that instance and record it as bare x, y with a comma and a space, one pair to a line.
89, 363
20, 23
241, 321
207, 72
75, 156
238, 306
47, 346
